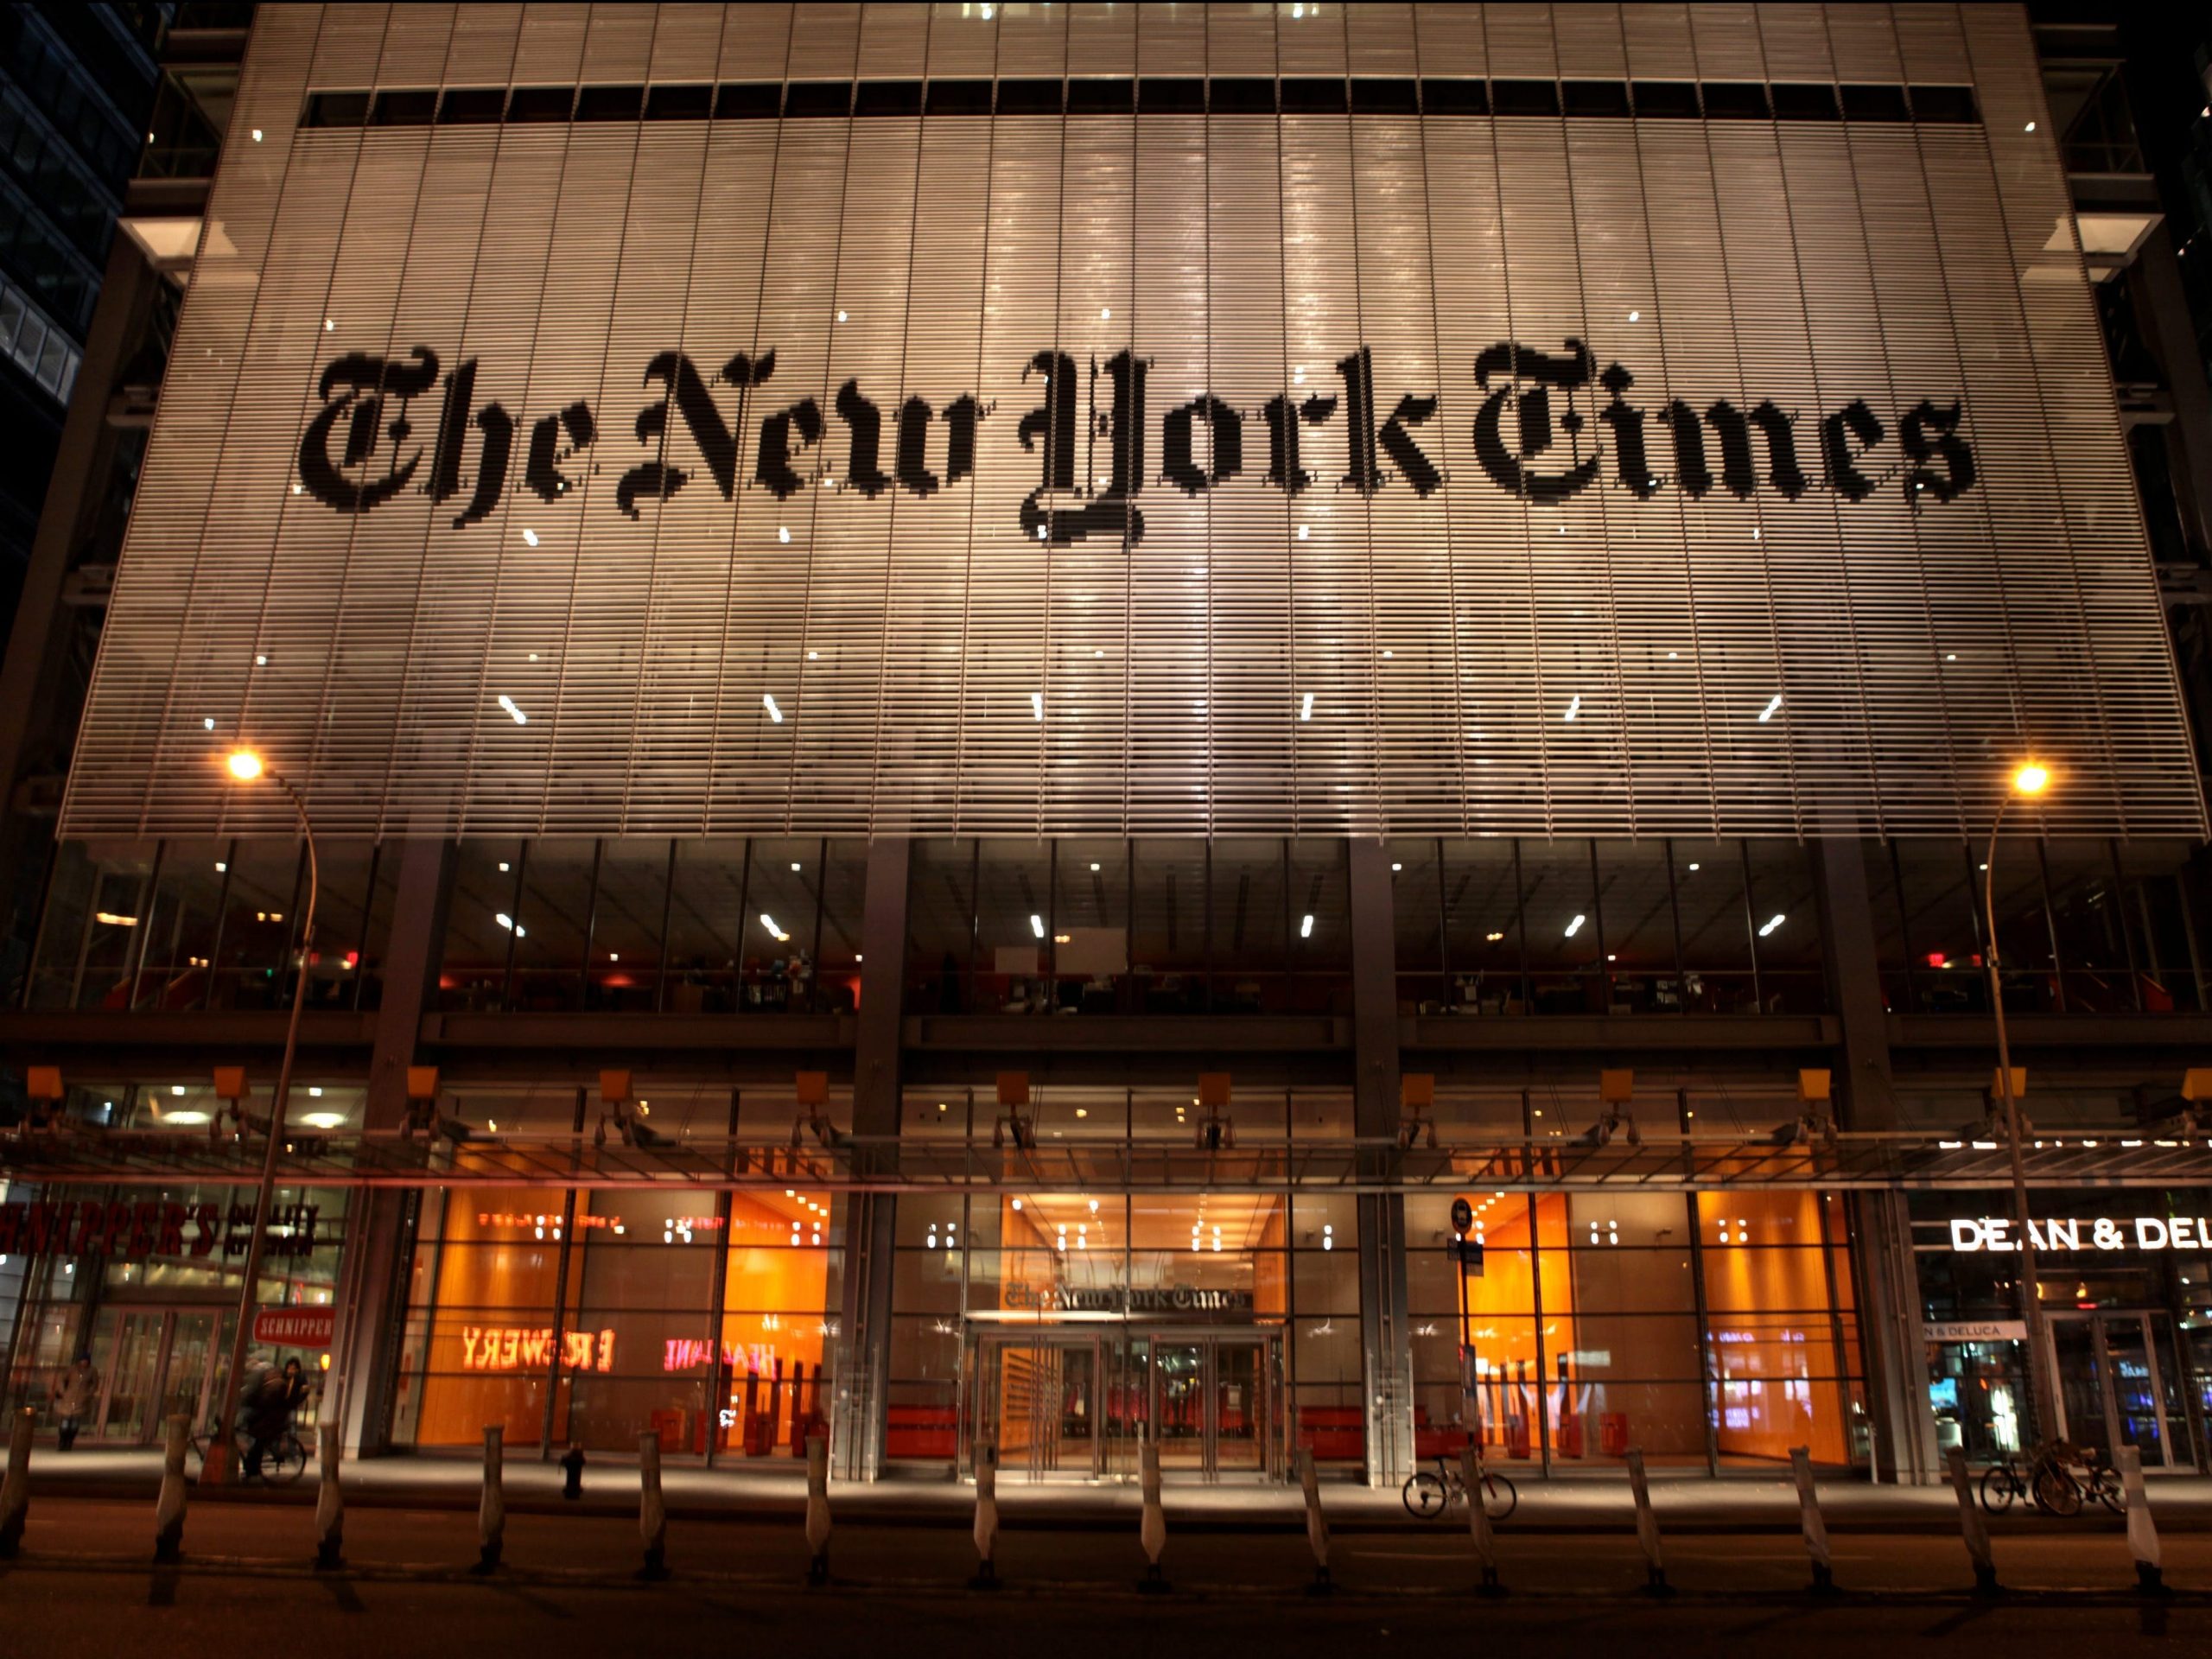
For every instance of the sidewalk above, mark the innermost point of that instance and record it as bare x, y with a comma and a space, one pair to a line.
1593, 1502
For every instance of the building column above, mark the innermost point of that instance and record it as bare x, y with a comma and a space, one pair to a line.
1375, 1111
1881, 1238
379, 1222
2154, 284
856, 1432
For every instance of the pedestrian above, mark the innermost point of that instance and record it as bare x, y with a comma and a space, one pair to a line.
74, 1393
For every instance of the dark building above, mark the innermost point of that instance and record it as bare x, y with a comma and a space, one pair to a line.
76, 82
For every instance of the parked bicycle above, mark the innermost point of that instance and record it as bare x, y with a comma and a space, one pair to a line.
282, 1461
2056, 1476
1429, 1496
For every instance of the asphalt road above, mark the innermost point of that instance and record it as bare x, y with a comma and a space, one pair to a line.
86, 1584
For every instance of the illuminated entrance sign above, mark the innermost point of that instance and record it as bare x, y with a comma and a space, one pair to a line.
1155, 1299
2075, 1233
513, 1348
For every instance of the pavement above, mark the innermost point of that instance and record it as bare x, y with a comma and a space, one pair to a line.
902, 1561
1592, 1501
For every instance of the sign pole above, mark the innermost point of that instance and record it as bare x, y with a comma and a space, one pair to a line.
1463, 1218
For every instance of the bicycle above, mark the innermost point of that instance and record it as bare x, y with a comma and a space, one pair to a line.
2046, 1478
284, 1460
1428, 1496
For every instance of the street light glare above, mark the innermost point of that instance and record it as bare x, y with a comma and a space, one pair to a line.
246, 765
2032, 778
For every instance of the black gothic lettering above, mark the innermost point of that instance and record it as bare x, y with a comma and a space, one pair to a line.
1112, 512
541, 467
1397, 443
960, 417
1283, 416
1225, 443
865, 420
499, 429
1522, 363
1690, 470
657, 478
370, 380
1782, 470
1627, 424
774, 466
1922, 482
1853, 420
1735, 433
1358, 373
912, 459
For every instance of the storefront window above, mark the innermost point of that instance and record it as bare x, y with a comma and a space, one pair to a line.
1583, 1334
593, 1319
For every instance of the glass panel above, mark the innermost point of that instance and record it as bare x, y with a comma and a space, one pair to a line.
133, 1345
192, 1347
1417, 913
1169, 927
625, 935
1482, 928
473, 974
1716, 937
1639, 916
1091, 926
1256, 907
1179, 1403
1786, 926
1561, 906
1240, 1407
707, 924
940, 926
549, 918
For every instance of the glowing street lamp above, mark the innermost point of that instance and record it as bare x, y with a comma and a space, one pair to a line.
2029, 779
246, 767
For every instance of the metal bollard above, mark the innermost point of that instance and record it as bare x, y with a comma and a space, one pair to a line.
16, 1490
1471, 1472
1646, 1530
2142, 1531
1152, 1530
572, 1474
491, 1510
652, 1514
1816, 1528
1971, 1524
817, 1508
1317, 1524
329, 1502
168, 1507
987, 1516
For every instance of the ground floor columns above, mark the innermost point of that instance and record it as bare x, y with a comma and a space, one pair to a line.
378, 1233
863, 1339
1386, 1347
1866, 1099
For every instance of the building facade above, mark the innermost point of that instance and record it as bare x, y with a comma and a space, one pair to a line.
993, 698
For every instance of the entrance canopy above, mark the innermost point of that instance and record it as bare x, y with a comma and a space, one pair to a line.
2121, 1156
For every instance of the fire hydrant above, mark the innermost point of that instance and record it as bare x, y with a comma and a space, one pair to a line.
572, 1487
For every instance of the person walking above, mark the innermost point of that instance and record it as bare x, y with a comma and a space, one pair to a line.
74, 1393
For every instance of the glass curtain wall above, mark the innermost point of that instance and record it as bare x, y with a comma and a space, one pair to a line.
1707, 1331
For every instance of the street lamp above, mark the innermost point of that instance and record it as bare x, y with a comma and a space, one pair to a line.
2031, 778
246, 767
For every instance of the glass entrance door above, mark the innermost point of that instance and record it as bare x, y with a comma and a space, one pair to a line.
1214, 1403
155, 1363
2114, 1387
1040, 1405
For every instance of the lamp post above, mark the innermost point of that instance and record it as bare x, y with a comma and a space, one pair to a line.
2029, 778
246, 767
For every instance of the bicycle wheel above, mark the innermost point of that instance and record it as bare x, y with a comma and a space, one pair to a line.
1424, 1495
2105, 1485
286, 1462
1999, 1487
1500, 1497
2056, 1491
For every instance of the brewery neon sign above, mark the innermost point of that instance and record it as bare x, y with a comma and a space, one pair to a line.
1995, 1233
513, 1348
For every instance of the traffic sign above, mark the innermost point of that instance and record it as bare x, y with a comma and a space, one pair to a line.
1462, 1216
